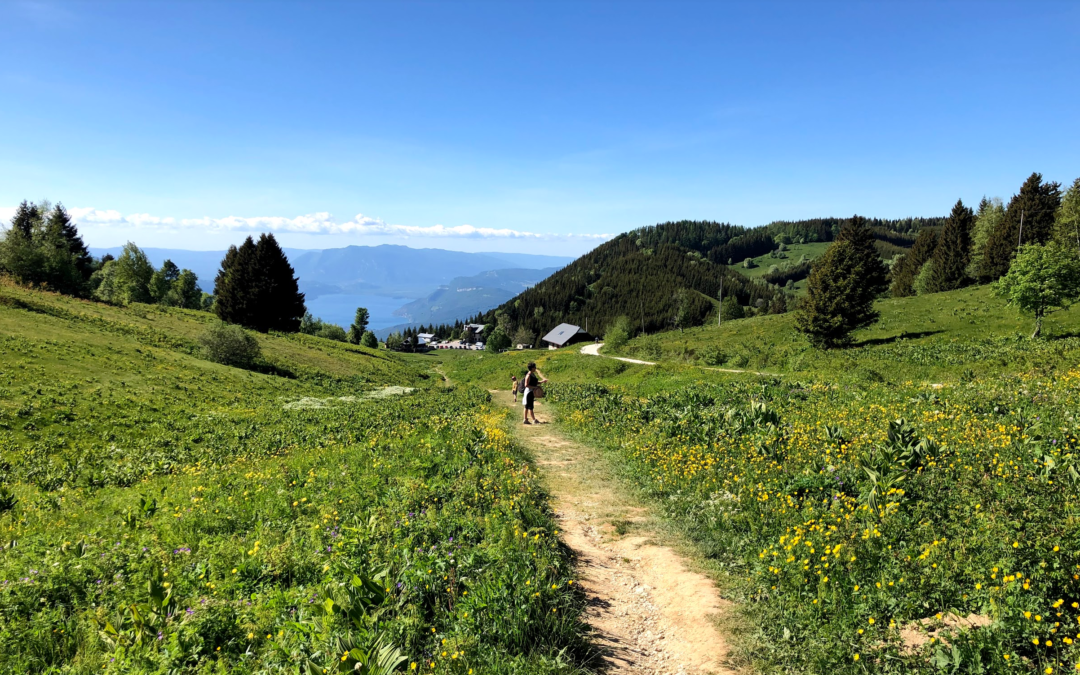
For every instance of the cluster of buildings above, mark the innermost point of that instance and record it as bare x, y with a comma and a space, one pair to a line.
563, 335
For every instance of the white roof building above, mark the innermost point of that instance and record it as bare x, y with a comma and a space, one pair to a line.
565, 334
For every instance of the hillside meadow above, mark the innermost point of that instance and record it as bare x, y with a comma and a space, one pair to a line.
336, 509
907, 505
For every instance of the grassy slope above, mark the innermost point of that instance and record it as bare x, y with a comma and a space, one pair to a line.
941, 337
936, 336
984, 523
266, 492
794, 252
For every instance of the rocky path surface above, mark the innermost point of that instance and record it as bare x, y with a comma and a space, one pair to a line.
651, 613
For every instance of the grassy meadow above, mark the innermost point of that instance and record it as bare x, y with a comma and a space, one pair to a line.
907, 505
337, 509
762, 263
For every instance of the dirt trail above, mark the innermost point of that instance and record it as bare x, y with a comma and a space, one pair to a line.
594, 350
651, 613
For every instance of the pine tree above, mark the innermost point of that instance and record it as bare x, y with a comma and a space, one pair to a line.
1067, 220
25, 218
857, 232
905, 271
950, 260
61, 221
359, 325
278, 300
842, 287
1035, 205
234, 285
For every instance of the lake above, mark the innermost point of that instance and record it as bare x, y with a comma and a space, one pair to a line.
341, 309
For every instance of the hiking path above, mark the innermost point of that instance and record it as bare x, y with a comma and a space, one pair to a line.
652, 614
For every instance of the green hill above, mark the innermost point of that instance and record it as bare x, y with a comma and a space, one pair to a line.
639, 274
893, 507
936, 335
162, 513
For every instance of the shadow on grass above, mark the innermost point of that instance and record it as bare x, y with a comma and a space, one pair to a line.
895, 338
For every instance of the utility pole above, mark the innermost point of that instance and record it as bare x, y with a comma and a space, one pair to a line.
1021, 235
720, 309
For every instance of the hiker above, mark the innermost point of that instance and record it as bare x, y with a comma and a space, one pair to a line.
514, 386
532, 381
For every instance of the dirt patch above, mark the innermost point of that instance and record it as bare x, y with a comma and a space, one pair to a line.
918, 633
650, 612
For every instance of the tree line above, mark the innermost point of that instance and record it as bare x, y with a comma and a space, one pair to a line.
255, 287
1029, 249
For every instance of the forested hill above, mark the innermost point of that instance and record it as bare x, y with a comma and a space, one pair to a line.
640, 274
630, 277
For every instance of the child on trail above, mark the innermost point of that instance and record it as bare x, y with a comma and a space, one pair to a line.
514, 386
533, 379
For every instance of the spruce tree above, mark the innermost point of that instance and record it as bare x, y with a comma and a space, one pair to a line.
905, 271
234, 285
856, 231
949, 263
25, 218
842, 287
1036, 205
359, 325
1067, 221
279, 302
60, 220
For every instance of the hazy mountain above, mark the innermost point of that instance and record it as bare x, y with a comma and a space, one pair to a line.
382, 278
464, 296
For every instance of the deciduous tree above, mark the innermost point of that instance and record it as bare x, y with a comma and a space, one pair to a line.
1042, 279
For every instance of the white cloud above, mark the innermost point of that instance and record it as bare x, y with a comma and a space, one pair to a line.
312, 223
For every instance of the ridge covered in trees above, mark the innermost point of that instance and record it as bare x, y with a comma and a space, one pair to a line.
641, 275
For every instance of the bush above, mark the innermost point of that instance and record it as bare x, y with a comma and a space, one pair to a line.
230, 345
618, 334
498, 341
331, 331
369, 340
731, 309
711, 355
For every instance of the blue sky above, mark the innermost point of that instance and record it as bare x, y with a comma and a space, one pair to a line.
475, 126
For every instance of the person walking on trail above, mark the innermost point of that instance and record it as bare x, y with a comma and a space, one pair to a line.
533, 379
514, 386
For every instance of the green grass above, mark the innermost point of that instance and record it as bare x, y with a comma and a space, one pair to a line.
174, 515
944, 336
794, 252
838, 540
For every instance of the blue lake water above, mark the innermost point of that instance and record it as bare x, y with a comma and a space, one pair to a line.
341, 309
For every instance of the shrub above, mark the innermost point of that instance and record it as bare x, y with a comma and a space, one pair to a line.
618, 334
497, 342
331, 331
369, 340
230, 345
731, 309
711, 355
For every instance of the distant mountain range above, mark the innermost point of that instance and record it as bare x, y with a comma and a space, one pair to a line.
463, 295
393, 282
